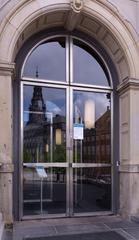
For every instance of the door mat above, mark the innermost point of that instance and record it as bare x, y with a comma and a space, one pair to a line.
85, 236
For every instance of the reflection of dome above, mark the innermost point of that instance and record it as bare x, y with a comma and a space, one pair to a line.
52, 107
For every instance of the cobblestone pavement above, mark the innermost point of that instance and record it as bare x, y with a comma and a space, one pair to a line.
69, 226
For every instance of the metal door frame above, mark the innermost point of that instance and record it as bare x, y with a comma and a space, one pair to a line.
88, 165
65, 165
69, 128
69, 165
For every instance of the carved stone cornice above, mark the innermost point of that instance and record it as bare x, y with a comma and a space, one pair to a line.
7, 69
127, 84
6, 168
129, 168
74, 14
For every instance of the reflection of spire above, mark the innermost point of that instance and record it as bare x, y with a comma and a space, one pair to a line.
37, 108
37, 72
77, 114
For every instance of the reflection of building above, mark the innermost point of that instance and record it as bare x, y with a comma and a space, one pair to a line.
97, 141
103, 138
34, 143
40, 130
97, 146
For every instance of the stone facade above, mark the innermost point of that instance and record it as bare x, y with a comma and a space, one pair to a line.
115, 25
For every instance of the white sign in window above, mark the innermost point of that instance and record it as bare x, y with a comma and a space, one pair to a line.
78, 131
41, 172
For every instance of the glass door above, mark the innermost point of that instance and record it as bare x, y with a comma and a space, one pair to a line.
45, 159
65, 130
91, 167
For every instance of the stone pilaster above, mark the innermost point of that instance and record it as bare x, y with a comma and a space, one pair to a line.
129, 148
6, 164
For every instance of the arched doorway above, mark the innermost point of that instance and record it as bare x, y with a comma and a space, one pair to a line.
100, 21
66, 130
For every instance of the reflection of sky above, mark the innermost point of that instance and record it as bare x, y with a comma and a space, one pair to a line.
100, 99
86, 68
49, 59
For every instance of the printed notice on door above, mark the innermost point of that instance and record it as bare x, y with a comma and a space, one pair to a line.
78, 131
41, 172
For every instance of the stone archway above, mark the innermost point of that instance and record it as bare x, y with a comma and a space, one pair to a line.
100, 20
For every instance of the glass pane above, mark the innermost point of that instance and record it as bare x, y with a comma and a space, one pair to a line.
47, 61
47, 196
87, 66
92, 113
44, 119
92, 189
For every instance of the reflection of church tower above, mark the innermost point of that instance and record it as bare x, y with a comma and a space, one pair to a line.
37, 108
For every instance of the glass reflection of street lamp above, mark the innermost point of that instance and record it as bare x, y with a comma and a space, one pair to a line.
89, 114
46, 148
58, 136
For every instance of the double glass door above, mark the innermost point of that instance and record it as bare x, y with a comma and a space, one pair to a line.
66, 150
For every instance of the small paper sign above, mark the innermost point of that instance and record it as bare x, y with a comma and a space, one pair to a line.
41, 172
78, 131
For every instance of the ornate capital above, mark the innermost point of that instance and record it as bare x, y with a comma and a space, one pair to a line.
129, 83
77, 5
6, 69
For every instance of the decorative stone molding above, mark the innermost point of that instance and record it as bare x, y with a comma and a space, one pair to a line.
7, 168
4, 3
77, 5
74, 14
129, 168
7, 69
128, 84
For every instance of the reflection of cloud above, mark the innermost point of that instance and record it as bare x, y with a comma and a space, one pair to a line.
52, 107
101, 106
54, 98
100, 99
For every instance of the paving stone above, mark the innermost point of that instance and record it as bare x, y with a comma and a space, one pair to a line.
93, 236
70, 226
81, 228
121, 224
126, 235
8, 235
134, 232
42, 231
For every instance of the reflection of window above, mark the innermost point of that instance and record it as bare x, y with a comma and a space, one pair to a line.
108, 149
87, 62
93, 150
47, 61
